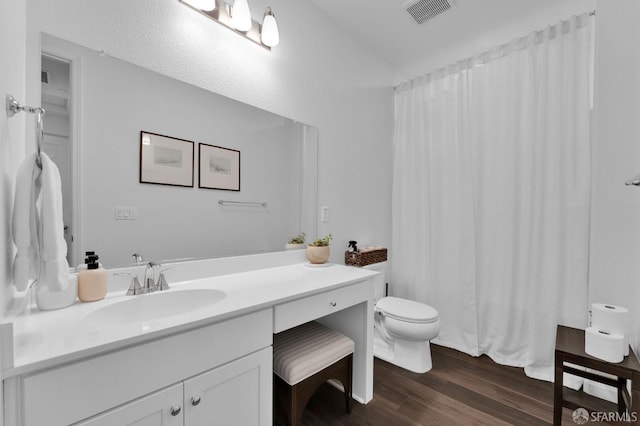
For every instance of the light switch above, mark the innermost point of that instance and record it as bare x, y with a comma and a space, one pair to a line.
325, 214
126, 213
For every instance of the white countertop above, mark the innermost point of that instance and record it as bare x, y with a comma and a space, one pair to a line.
45, 339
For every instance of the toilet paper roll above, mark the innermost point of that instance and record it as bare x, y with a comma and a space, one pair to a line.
604, 345
611, 318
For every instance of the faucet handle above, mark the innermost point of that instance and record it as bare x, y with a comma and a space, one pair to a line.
162, 283
134, 288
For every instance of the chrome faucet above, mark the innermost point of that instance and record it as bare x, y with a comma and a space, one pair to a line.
138, 258
150, 279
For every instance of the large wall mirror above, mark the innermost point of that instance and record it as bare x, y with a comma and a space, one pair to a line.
97, 107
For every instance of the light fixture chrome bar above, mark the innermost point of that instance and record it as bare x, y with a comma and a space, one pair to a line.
243, 203
222, 15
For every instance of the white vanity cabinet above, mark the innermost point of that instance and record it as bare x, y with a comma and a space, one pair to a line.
214, 362
238, 393
162, 408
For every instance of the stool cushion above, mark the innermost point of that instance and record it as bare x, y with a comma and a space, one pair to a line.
302, 351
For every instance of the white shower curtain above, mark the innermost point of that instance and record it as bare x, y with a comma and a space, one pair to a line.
491, 195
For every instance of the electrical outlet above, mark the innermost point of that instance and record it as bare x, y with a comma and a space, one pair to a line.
325, 214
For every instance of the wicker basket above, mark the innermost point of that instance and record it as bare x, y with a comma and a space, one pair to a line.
365, 258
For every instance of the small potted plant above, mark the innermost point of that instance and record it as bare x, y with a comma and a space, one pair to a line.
296, 242
318, 251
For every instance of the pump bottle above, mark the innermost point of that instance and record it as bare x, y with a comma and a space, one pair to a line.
92, 280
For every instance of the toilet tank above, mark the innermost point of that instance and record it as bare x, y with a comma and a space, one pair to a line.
380, 280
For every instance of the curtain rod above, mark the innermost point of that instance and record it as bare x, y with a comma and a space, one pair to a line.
428, 76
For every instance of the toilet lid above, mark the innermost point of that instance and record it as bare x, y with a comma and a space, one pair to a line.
407, 310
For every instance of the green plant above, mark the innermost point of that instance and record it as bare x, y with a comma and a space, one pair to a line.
321, 242
298, 239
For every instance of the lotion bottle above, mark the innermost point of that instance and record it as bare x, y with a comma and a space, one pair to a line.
92, 281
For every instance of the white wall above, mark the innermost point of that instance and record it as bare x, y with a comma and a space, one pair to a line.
316, 75
615, 226
12, 132
12, 78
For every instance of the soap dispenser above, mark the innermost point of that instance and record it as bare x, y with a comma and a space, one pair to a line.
82, 266
92, 280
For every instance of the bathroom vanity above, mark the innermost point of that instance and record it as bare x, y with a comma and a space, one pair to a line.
121, 361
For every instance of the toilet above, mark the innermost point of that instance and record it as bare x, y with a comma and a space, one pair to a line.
402, 328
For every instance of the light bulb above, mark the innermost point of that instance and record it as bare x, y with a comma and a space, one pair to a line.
241, 15
270, 35
206, 5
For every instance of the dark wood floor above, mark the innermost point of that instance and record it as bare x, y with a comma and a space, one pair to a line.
459, 390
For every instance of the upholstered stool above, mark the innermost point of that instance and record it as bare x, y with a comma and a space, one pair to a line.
304, 358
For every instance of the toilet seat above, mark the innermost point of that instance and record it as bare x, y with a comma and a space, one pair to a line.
407, 310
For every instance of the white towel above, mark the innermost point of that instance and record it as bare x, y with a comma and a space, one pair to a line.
38, 228
25, 223
53, 247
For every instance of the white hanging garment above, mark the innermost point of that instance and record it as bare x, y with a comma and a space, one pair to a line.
38, 230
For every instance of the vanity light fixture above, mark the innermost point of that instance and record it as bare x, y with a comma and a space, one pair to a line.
269, 34
237, 17
241, 16
206, 5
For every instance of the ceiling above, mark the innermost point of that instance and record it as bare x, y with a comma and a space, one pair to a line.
471, 26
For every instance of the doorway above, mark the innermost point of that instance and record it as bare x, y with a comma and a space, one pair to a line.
57, 143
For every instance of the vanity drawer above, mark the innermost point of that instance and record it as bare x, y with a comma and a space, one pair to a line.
299, 311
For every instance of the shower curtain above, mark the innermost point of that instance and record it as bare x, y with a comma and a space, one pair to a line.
491, 195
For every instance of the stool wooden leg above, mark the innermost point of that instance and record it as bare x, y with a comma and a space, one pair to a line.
348, 384
557, 391
296, 409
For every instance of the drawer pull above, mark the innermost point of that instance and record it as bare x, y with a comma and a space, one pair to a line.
195, 400
175, 410
333, 304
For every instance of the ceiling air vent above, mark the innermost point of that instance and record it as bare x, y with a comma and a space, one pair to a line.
424, 10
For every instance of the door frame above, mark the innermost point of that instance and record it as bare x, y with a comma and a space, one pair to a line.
61, 50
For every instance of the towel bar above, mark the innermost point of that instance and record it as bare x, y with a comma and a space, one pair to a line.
243, 203
14, 107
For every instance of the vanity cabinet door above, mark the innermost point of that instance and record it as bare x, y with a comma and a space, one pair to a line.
162, 408
237, 393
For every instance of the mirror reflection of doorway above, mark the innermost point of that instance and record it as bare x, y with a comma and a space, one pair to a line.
55, 81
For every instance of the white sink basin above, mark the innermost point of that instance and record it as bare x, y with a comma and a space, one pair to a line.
154, 306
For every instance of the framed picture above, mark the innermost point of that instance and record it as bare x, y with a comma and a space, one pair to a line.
219, 168
165, 160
